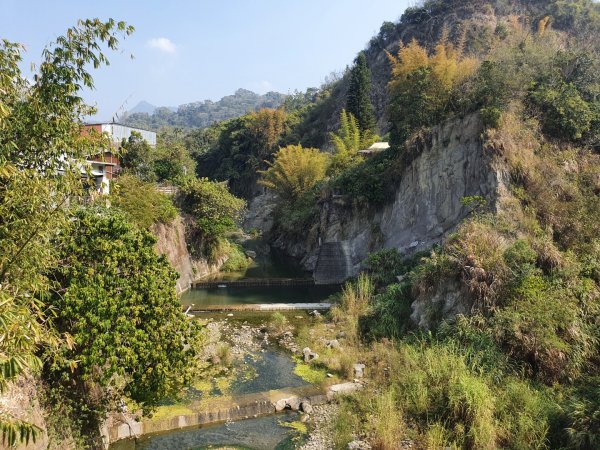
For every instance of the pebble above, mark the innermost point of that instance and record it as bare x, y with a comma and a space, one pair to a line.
320, 437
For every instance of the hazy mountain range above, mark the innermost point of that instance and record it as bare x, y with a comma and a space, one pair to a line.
200, 114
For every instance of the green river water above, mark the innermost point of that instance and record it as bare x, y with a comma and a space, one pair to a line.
273, 368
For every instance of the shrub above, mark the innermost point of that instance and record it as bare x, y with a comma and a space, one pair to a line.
582, 411
236, 258
435, 386
390, 314
346, 423
564, 113
141, 202
384, 265
538, 327
385, 420
299, 215
354, 302
278, 323
223, 353
213, 207
295, 171
369, 183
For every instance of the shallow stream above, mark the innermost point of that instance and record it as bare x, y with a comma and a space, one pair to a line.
263, 433
264, 369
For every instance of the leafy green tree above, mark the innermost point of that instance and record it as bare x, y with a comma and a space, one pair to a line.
359, 94
241, 149
137, 157
117, 302
40, 135
215, 210
172, 162
295, 171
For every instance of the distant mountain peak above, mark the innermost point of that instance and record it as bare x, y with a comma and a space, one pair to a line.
142, 107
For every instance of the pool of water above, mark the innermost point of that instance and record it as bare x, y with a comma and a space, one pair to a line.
264, 433
267, 263
273, 370
255, 295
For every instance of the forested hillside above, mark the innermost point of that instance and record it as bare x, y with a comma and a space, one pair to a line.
204, 114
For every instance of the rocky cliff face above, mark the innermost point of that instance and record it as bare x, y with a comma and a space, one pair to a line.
427, 203
20, 400
171, 242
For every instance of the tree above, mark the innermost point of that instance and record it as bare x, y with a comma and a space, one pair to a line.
137, 157
214, 208
422, 85
117, 302
172, 162
241, 149
40, 135
294, 171
359, 94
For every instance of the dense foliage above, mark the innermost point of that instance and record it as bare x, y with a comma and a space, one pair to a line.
424, 85
295, 171
169, 162
240, 148
141, 202
39, 134
359, 95
116, 301
214, 209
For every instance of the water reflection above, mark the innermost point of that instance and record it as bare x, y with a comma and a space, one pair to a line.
255, 295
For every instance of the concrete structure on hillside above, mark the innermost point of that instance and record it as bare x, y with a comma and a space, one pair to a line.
334, 264
105, 165
117, 132
374, 149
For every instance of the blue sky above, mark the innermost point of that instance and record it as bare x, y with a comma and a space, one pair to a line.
187, 51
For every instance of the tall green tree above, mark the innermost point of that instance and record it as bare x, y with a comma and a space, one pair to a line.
359, 94
117, 302
40, 137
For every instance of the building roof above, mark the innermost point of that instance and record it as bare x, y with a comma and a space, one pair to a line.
377, 147
89, 124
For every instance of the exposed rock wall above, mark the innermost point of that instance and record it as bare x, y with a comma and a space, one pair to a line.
20, 400
171, 242
426, 206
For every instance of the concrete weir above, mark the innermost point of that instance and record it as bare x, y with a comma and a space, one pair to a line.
243, 407
262, 307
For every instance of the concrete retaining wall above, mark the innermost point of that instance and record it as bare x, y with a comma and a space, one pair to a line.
244, 407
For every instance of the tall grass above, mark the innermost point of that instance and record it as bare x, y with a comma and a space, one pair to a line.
356, 298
